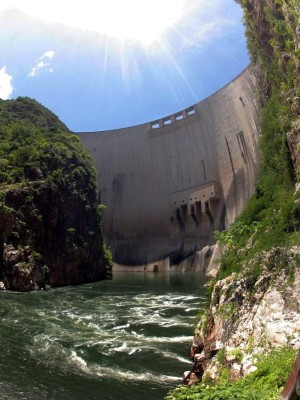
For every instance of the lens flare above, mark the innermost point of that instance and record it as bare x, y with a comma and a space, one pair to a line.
143, 21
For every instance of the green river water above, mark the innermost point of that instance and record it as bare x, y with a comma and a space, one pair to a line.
128, 338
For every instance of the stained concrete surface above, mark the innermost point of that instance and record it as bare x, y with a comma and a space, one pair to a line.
170, 183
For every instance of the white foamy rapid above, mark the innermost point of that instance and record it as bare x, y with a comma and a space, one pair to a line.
134, 331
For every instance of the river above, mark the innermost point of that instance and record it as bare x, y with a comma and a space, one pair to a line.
128, 338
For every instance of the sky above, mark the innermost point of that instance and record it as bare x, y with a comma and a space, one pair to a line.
107, 64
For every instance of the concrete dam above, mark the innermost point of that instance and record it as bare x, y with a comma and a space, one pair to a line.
169, 184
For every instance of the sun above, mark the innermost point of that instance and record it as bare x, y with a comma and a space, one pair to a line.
141, 20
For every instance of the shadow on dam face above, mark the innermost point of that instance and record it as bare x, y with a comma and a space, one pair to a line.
170, 183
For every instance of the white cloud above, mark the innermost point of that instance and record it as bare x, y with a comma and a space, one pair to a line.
204, 33
48, 54
6, 87
205, 22
43, 64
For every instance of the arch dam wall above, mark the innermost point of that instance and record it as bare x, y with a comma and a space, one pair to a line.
169, 184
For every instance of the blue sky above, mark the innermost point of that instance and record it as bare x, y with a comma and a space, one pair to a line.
96, 81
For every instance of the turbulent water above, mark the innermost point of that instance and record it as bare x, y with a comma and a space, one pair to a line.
128, 338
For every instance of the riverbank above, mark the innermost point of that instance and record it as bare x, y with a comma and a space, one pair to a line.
251, 321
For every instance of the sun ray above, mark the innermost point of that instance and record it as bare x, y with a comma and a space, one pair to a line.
173, 61
137, 20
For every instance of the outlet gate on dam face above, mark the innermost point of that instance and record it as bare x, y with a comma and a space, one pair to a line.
170, 183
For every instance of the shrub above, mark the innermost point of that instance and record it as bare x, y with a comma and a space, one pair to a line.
265, 383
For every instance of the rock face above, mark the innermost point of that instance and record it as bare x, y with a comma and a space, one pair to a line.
249, 316
49, 237
266, 313
274, 43
272, 30
50, 218
293, 139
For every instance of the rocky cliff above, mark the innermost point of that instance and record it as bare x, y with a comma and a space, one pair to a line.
250, 315
257, 306
50, 219
273, 37
255, 302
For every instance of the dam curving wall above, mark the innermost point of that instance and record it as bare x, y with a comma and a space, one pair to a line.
170, 183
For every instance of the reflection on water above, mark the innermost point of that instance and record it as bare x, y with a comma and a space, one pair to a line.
128, 338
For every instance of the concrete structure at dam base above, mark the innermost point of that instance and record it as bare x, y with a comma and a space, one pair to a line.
205, 261
169, 184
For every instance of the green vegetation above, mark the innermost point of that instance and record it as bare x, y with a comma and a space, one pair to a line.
37, 151
265, 383
272, 43
271, 220
34, 144
272, 216
108, 259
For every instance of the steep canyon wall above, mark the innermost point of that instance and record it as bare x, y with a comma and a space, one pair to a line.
170, 183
